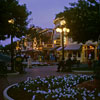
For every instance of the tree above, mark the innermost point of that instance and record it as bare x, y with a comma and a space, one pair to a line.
38, 33
83, 20
11, 10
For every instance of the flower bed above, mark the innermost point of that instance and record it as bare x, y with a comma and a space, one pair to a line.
54, 88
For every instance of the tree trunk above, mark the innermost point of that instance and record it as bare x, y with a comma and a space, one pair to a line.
12, 54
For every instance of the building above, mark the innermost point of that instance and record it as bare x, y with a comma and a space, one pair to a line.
80, 50
36, 46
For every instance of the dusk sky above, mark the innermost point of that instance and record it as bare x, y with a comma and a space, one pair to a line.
43, 12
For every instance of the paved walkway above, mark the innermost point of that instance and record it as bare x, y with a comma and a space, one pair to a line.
32, 72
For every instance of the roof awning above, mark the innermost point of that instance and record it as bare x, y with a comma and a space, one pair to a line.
73, 47
28, 50
60, 48
53, 49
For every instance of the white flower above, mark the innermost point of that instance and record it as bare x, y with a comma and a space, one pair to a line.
29, 90
56, 90
49, 91
90, 95
64, 89
88, 91
77, 81
46, 96
24, 88
93, 98
69, 89
99, 94
93, 91
84, 98
45, 81
74, 83
53, 96
33, 98
75, 93
57, 83
38, 82
29, 78
68, 95
53, 91
84, 93
73, 90
56, 95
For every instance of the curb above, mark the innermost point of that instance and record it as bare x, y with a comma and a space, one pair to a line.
81, 71
13, 73
5, 95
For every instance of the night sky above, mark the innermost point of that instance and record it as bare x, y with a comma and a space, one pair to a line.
43, 12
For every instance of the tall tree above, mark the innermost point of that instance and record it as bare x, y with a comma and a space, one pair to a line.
83, 20
11, 10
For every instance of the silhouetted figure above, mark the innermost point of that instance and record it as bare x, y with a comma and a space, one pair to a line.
60, 66
75, 61
69, 63
89, 61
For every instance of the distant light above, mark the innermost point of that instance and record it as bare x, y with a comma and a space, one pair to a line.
11, 21
62, 22
68, 30
65, 29
54, 41
59, 30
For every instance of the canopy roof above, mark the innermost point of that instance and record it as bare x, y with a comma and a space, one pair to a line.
73, 47
70, 47
60, 48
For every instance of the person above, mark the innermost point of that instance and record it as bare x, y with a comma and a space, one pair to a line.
89, 61
69, 63
74, 59
60, 65
29, 62
18, 63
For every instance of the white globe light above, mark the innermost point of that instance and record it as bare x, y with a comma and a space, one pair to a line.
58, 30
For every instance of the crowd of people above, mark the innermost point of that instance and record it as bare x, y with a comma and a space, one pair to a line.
62, 65
67, 65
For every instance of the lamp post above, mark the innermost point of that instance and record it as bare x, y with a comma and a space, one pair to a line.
62, 29
11, 21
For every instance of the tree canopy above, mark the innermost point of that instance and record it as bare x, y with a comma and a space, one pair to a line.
83, 19
11, 9
38, 33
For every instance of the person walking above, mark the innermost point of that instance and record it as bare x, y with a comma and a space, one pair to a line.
60, 66
69, 63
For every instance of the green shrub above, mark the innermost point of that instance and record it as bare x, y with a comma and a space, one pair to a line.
97, 69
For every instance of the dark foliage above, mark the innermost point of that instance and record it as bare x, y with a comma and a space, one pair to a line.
10, 9
83, 19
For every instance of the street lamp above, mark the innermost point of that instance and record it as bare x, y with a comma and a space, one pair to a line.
11, 21
62, 29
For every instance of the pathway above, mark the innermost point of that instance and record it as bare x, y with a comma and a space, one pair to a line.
42, 71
